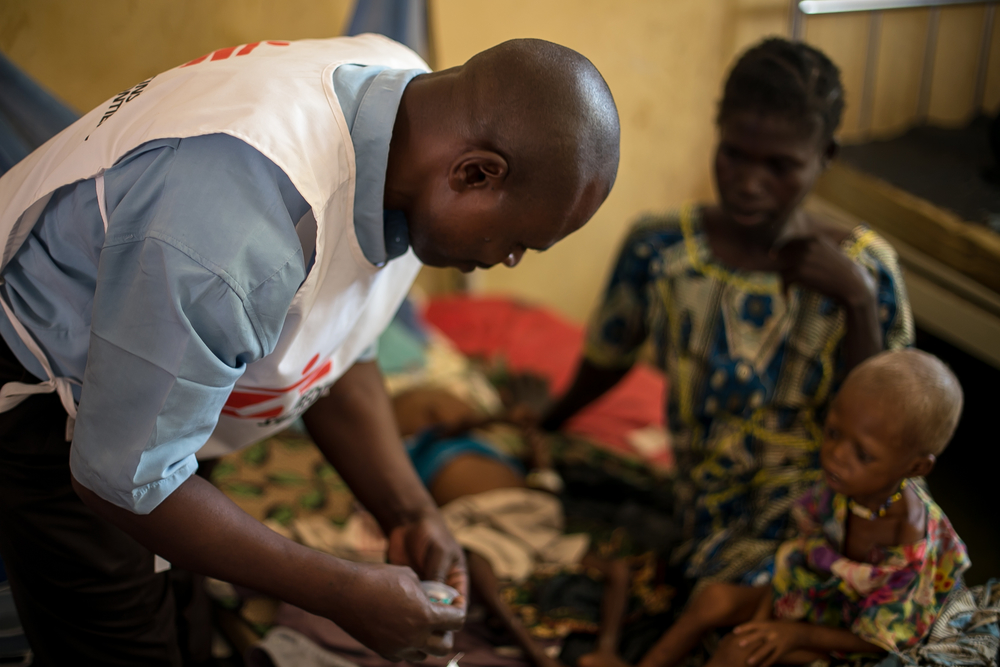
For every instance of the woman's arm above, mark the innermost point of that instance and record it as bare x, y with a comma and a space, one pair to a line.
816, 263
591, 382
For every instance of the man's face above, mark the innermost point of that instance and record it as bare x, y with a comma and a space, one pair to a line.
482, 229
764, 165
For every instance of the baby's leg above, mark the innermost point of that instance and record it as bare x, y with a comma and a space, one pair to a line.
488, 586
715, 606
613, 604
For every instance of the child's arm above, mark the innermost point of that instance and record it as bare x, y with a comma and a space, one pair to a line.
779, 640
614, 600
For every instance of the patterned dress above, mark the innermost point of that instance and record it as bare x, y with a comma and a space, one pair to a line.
751, 374
892, 603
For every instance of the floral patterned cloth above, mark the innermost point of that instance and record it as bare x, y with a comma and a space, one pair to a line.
892, 603
751, 370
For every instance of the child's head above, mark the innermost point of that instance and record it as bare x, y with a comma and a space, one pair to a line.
512, 151
894, 415
780, 108
426, 406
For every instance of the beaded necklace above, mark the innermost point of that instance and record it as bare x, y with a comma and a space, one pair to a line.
865, 513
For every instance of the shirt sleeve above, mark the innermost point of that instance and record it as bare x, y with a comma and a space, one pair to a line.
618, 328
895, 316
199, 267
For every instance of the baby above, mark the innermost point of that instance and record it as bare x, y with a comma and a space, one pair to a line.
875, 556
506, 526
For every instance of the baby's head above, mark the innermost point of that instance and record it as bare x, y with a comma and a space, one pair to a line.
891, 420
426, 406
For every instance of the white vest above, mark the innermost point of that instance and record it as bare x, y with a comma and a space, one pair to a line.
277, 97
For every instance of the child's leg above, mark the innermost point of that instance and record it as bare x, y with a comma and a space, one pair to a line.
613, 603
487, 585
715, 606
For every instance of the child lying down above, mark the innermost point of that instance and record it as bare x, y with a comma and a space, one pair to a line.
506, 527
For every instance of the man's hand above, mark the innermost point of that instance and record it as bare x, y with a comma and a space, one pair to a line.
775, 638
425, 545
817, 264
355, 428
392, 615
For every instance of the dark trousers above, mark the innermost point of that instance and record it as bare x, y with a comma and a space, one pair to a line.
85, 591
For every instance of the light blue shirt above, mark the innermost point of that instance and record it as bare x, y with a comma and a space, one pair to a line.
156, 320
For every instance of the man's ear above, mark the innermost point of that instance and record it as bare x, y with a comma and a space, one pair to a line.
922, 466
477, 169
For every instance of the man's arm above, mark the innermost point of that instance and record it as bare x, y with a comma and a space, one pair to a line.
196, 527
355, 428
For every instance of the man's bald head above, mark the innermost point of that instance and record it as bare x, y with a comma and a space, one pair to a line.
512, 151
918, 389
547, 110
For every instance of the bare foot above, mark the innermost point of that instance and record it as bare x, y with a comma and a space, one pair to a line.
601, 659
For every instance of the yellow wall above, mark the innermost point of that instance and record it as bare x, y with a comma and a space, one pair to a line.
87, 51
664, 60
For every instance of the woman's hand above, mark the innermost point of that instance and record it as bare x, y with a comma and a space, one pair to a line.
775, 638
817, 264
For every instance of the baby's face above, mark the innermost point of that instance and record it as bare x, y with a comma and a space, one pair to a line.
864, 454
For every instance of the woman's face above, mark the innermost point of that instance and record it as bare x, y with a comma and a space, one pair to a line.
765, 164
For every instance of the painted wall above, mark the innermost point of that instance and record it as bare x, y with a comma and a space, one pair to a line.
663, 60
86, 51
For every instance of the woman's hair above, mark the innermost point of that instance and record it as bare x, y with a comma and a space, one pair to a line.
787, 78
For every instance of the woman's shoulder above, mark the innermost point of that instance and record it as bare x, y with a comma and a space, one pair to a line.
664, 227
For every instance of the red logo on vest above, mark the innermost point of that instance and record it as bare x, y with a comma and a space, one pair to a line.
268, 404
222, 54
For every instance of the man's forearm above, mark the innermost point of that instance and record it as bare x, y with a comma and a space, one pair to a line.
355, 428
197, 528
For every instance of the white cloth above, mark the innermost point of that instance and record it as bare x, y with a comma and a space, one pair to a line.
515, 530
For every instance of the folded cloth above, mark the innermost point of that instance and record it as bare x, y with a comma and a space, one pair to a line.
514, 530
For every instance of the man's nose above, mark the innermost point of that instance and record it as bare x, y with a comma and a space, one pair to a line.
514, 258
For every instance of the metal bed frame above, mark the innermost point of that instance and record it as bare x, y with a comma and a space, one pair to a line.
803, 8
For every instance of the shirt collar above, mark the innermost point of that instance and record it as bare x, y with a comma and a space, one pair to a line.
383, 235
